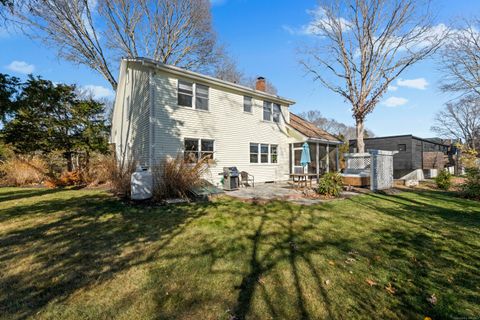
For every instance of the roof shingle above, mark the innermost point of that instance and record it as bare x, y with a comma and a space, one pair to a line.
309, 129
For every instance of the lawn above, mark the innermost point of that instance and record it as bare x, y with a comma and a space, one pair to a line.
82, 254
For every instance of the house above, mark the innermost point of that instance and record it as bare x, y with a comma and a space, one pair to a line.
413, 152
162, 110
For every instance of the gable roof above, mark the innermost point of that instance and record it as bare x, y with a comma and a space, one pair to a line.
210, 80
310, 130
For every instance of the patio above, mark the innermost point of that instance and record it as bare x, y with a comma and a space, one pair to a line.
280, 191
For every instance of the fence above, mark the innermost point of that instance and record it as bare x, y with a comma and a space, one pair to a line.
377, 164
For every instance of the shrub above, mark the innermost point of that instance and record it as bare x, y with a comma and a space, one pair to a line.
471, 187
330, 184
444, 180
98, 170
23, 170
119, 175
175, 177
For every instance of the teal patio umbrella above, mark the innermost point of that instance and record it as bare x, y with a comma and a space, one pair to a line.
305, 158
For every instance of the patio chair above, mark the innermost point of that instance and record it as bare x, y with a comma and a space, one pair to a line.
246, 178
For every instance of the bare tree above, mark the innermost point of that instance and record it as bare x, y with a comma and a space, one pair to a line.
461, 60
227, 70
460, 120
269, 86
332, 126
176, 32
365, 45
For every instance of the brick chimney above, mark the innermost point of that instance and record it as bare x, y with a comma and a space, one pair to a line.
260, 84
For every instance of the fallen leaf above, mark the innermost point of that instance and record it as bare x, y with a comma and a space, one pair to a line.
350, 260
371, 282
390, 289
330, 262
432, 299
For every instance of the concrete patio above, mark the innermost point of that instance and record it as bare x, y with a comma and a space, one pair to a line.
278, 191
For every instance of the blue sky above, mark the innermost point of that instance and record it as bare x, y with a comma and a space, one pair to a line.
264, 37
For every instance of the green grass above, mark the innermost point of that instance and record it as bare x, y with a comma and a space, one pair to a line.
81, 254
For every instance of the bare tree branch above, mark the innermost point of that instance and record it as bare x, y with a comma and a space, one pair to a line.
176, 32
369, 43
460, 120
461, 60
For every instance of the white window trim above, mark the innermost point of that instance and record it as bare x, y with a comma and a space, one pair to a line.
259, 149
251, 105
194, 96
199, 143
272, 111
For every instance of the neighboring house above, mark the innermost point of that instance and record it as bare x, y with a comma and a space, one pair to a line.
413, 152
162, 110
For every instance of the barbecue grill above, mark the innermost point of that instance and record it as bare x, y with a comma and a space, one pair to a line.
231, 178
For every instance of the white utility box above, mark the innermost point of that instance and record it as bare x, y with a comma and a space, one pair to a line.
141, 184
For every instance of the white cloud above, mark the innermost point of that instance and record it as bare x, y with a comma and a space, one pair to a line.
395, 102
392, 88
21, 67
419, 83
320, 18
98, 92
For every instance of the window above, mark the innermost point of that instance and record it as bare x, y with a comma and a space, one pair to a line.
267, 111
273, 153
253, 152
196, 149
402, 147
186, 97
207, 149
191, 150
185, 93
263, 153
247, 104
201, 97
277, 111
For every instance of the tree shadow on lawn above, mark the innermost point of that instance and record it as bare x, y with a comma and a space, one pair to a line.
285, 267
436, 252
78, 240
17, 194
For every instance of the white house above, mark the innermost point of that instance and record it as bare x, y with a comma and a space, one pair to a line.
162, 110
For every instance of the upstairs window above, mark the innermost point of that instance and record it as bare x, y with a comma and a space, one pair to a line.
267, 111
185, 93
247, 104
277, 111
201, 97
402, 147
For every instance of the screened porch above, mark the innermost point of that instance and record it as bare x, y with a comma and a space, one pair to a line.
324, 157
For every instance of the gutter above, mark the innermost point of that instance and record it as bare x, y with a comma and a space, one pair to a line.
210, 80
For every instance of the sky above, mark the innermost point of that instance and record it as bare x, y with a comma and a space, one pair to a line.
264, 37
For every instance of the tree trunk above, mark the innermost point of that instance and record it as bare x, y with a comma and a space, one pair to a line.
360, 128
68, 156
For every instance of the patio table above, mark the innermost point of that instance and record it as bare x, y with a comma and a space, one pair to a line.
300, 179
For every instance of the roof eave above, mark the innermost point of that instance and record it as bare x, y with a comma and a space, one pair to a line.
211, 80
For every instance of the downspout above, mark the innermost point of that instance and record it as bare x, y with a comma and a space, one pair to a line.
151, 138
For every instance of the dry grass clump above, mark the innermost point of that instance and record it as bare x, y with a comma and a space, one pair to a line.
118, 175
173, 178
99, 169
23, 170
